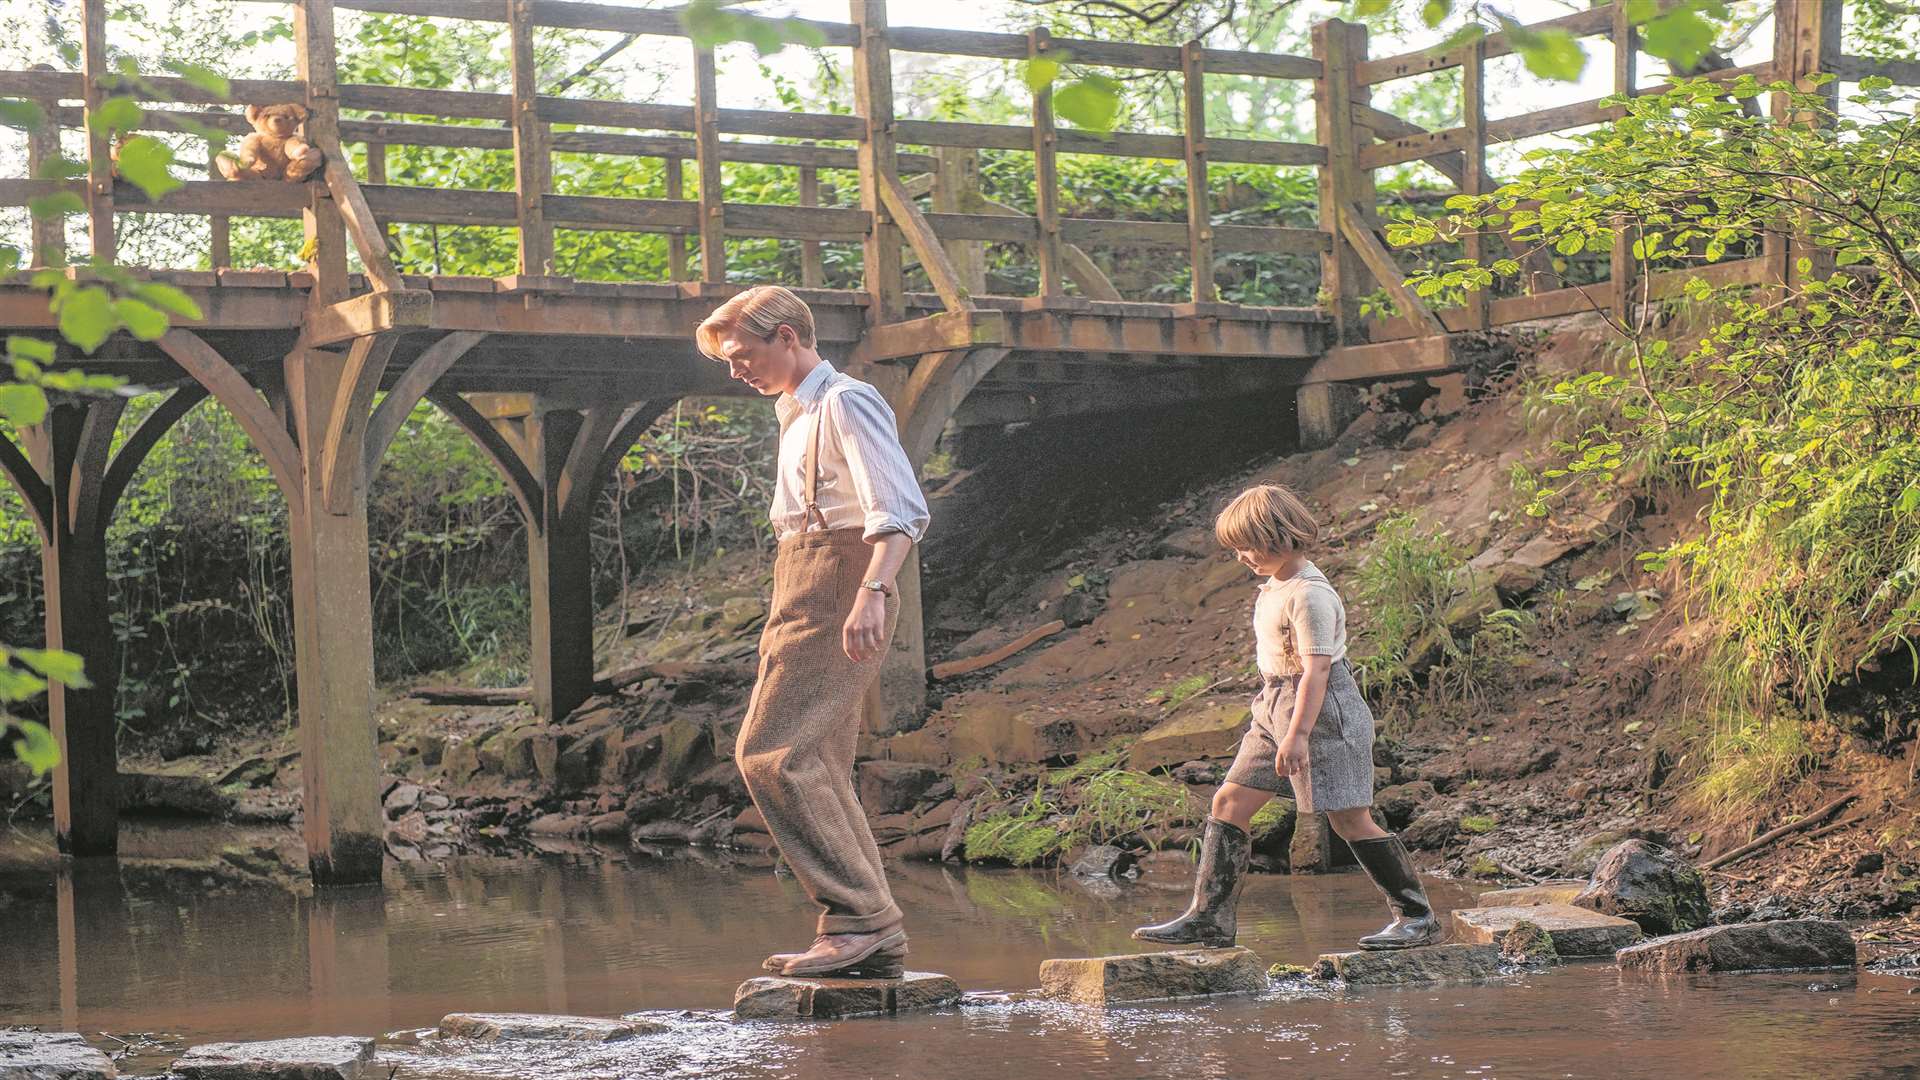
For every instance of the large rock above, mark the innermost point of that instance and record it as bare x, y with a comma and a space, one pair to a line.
1650, 885
171, 792
324, 1057
1531, 895
1575, 931
495, 1027
1452, 962
681, 743
1401, 803
1106, 980
1433, 828
1206, 731
1764, 946
1103, 861
1271, 829
1001, 734
779, 998
51, 1055
889, 787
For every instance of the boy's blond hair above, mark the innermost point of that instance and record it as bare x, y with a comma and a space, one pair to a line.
1266, 518
759, 311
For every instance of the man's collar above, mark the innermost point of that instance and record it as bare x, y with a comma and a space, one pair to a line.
814, 386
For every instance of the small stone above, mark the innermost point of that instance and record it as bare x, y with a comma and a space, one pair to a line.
608, 825
1435, 825
1575, 931
1762, 946
1650, 885
557, 824
890, 787
1103, 861
324, 1057
495, 1027
1401, 803
1107, 980
1452, 962
1197, 772
1527, 944
1579, 791
403, 798
51, 1055
1870, 863
780, 998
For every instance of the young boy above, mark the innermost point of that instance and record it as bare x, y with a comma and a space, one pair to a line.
1310, 725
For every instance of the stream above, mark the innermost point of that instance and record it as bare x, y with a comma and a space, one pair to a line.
153, 943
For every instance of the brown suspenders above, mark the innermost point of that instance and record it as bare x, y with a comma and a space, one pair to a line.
811, 464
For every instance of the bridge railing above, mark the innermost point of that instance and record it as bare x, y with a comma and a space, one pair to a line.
1353, 140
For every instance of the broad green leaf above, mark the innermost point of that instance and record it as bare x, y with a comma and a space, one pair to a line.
1092, 103
167, 298
1909, 500
1680, 36
144, 163
86, 317
22, 404
36, 746
1639, 11
1366, 8
1039, 73
16, 113
116, 114
1875, 82
1554, 54
141, 320
60, 666
38, 350
58, 204
1435, 12
205, 78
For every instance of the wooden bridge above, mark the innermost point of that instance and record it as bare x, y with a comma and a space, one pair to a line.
556, 377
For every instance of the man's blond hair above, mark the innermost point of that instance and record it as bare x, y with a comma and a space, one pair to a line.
759, 311
1266, 518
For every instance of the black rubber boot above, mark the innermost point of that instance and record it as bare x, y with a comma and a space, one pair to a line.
1386, 861
1224, 851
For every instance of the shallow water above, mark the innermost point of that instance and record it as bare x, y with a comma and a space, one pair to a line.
139, 947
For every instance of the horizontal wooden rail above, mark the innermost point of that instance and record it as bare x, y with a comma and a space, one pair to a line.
1590, 23
461, 136
1118, 144
1854, 68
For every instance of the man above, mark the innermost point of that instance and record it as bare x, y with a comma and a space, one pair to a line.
846, 511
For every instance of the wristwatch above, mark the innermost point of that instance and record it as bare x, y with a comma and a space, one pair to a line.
878, 586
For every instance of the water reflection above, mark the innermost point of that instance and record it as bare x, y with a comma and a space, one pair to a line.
208, 948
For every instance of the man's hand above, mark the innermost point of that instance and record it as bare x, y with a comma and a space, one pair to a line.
866, 627
1290, 759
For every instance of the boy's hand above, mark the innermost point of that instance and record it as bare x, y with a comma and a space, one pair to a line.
866, 625
1291, 757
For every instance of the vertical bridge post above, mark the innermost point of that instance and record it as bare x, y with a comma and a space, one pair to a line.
1323, 409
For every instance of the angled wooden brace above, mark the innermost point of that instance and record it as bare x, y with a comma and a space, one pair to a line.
412, 386
266, 429
152, 428
1379, 261
344, 467
503, 453
28, 481
940, 382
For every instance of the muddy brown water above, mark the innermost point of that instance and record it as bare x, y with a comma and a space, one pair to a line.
152, 946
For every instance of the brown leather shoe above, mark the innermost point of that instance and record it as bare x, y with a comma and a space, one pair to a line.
881, 954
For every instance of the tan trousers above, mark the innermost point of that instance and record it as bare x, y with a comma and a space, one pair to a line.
796, 744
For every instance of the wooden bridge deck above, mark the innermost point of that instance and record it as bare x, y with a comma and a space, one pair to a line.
554, 378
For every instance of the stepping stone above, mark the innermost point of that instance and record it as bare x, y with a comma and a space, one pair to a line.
1532, 895
1575, 931
1452, 962
1762, 946
494, 1027
779, 998
1156, 976
325, 1057
51, 1055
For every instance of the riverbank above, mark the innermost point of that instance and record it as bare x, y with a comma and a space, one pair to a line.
1534, 714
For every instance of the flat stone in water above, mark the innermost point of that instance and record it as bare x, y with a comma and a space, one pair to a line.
1764, 946
324, 1057
1110, 980
1575, 931
492, 1027
1532, 895
51, 1055
1452, 962
776, 997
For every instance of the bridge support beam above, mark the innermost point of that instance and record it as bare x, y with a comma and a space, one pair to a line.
70, 484
554, 459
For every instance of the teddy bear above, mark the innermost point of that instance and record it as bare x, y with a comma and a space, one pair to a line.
275, 150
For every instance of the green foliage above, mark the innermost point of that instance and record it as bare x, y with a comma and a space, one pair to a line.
1678, 32
1404, 586
1797, 413
708, 23
1478, 824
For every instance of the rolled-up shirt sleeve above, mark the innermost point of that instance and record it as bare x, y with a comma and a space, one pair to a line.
883, 480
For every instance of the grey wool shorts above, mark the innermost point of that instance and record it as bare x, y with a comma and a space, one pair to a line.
1339, 748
